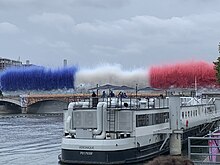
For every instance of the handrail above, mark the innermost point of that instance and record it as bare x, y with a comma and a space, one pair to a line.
204, 153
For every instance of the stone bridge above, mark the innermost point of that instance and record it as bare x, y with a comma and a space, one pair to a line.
13, 100
32, 102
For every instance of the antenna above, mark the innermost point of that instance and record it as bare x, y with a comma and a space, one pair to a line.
196, 85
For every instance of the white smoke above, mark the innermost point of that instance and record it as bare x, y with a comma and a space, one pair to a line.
111, 74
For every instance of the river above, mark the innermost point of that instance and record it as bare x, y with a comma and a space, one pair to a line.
30, 140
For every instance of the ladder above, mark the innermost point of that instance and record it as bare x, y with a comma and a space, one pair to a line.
111, 119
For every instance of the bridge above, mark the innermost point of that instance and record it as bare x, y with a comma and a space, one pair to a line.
14, 100
30, 103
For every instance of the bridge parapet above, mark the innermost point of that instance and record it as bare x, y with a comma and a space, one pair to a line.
27, 100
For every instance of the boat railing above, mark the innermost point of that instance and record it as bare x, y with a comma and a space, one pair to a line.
140, 102
135, 103
211, 101
204, 150
127, 103
193, 101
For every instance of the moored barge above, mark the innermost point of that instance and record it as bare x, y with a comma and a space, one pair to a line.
122, 131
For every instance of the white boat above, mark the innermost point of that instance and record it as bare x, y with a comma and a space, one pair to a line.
121, 131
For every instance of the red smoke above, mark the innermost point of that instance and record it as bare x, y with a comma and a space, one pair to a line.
183, 75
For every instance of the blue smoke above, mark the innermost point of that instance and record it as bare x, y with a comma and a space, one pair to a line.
37, 78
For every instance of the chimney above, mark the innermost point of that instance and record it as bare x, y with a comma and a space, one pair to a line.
64, 62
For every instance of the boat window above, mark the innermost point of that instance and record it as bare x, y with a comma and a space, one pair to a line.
191, 114
185, 114
147, 119
141, 120
188, 113
182, 115
166, 117
151, 119
157, 118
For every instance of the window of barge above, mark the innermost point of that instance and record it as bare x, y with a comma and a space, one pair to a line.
151, 119
182, 115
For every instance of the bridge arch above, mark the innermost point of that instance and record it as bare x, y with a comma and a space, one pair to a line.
13, 101
46, 100
48, 106
8, 105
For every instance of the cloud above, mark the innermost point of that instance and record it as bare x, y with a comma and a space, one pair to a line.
41, 41
16, 4
102, 3
138, 26
133, 48
129, 32
152, 29
8, 28
134, 35
60, 21
73, 3
144, 38
12, 2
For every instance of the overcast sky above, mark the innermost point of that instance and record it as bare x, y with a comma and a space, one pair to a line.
132, 33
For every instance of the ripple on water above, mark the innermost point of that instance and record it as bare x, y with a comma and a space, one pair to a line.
30, 140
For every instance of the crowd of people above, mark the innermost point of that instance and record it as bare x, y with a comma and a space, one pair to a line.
111, 94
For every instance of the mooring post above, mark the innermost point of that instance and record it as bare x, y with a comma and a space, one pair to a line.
175, 125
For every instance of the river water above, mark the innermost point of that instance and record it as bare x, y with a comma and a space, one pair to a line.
30, 140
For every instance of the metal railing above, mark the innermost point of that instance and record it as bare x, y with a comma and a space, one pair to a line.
204, 150
132, 102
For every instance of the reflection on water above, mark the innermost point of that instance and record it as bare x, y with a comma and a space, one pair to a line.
31, 140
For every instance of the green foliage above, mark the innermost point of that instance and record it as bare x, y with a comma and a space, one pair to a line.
217, 68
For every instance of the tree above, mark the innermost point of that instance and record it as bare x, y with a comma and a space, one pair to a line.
217, 69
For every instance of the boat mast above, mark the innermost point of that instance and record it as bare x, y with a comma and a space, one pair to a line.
195, 86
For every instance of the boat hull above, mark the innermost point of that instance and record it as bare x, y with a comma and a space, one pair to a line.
124, 136
127, 156
132, 155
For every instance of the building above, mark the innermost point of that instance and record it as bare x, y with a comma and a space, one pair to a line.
27, 64
5, 63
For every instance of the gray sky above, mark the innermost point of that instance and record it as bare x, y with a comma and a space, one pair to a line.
88, 33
